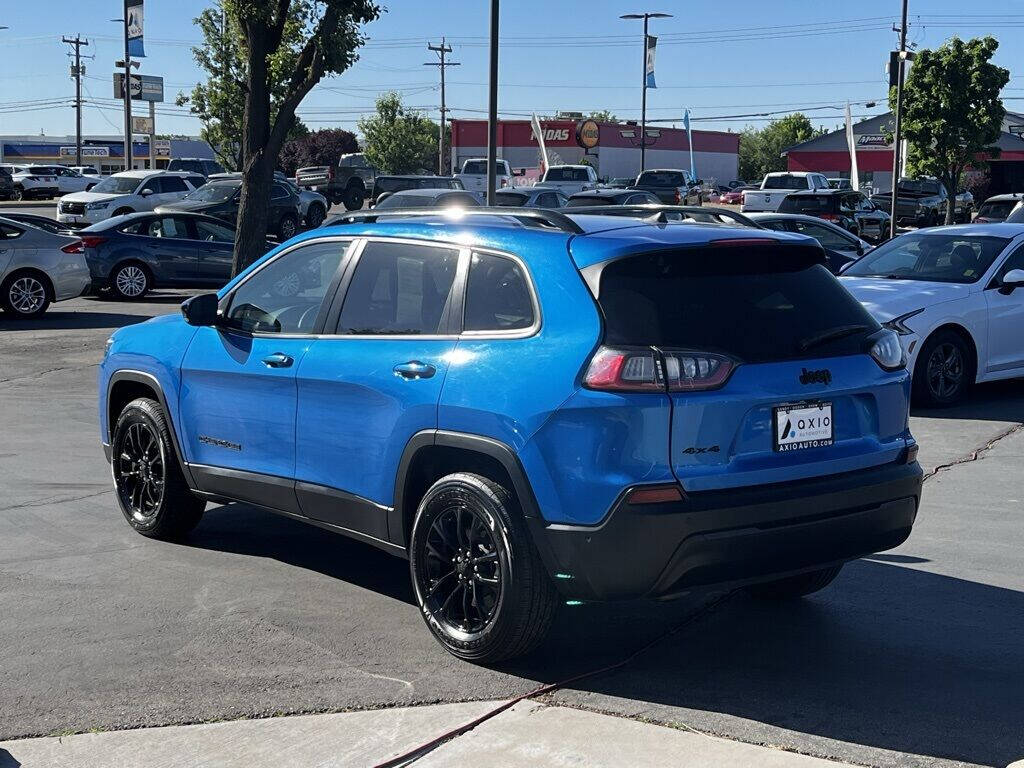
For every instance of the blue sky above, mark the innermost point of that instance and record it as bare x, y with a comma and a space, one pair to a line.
719, 59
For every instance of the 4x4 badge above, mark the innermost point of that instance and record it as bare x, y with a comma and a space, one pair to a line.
824, 376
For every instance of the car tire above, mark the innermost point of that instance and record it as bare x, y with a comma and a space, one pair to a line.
130, 281
353, 198
287, 227
25, 294
793, 587
18, 194
944, 372
315, 215
468, 535
148, 482
121, 212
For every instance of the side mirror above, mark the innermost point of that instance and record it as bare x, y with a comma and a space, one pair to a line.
200, 310
1011, 280
146, 192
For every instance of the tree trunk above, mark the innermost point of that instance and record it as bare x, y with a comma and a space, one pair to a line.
257, 165
950, 183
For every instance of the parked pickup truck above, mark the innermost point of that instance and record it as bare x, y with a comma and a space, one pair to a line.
474, 175
569, 179
922, 203
348, 183
776, 186
670, 186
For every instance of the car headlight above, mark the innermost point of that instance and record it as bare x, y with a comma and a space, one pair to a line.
107, 346
887, 351
97, 206
899, 324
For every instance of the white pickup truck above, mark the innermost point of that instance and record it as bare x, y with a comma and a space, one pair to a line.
776, 186
569, 179
474, 175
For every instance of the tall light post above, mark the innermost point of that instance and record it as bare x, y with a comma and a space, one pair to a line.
127, 64
643, 73
1, 140
492, 109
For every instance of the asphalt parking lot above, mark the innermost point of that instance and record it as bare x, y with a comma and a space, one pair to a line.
912, 657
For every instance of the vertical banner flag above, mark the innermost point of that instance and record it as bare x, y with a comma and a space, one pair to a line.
652, 41
133, 9
538, 133
852, 144
689, 140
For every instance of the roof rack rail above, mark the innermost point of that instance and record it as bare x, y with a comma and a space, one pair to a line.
660, 213
540, 216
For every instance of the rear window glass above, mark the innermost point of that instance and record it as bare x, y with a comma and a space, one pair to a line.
810, 204
914, 187
566, 174
475, 167
581, 202
510, 198
786, 181
755, 304
998, 209
661, 179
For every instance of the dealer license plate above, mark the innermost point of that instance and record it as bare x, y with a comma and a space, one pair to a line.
805, 425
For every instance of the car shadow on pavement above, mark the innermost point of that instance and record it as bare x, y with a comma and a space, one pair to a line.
7, 760
62, 321
247, 530
888, 657
995, 401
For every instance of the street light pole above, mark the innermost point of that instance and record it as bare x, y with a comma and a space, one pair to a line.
897, 138
643, 73
127, 96
1, 140
492, 109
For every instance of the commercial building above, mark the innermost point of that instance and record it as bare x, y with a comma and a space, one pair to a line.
829, 154
105, 153
615, 154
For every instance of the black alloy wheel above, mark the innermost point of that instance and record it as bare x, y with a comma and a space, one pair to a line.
945, 370
140, 472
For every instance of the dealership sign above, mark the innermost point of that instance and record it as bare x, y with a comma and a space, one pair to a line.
86, 151
587, 134
144, 87
872, 141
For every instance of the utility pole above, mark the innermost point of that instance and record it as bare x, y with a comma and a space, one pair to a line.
77, 71
643, 72
127, 96
897, 138
492, 109
441, 51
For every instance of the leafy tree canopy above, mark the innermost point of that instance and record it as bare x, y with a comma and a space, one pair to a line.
761, 148
397, 139
322, 147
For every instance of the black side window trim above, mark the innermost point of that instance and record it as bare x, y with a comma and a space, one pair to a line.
224, 305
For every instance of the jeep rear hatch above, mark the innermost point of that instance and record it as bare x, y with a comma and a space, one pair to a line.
746, 336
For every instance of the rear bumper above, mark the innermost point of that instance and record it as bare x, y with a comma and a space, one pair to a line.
733, 537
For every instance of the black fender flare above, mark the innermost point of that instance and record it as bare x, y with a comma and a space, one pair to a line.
488, 446
151, 381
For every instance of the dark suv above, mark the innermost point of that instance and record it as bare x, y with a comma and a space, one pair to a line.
221, 198
531, 408
852, 211
6, 184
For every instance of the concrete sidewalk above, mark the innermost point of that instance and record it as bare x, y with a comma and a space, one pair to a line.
529, 734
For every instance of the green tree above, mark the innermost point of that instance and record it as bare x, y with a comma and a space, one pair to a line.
326, 35
602, 116
952, 111
398, 140
219, 103
761, 149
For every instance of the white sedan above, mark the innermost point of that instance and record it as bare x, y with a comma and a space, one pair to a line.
955, 295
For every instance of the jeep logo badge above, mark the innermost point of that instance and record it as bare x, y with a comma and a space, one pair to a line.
824, 376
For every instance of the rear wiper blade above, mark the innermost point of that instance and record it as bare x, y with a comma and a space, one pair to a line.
831, 335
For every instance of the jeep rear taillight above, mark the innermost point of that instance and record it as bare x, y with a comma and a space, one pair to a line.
648, 369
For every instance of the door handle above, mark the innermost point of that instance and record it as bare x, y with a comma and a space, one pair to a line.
278, 360
414, 369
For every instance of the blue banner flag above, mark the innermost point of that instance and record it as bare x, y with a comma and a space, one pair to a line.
652, 41
133, 9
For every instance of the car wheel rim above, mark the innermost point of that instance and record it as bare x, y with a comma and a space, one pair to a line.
945, 370
460, 578
131, 281
287, 228
139, 472
27, 295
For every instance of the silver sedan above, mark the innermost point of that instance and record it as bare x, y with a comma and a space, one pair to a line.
37, 267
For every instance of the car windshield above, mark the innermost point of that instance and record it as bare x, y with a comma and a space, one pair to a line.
996, 209
918, 187
785, 181
212, 193
661, 179
952, 258
120, 185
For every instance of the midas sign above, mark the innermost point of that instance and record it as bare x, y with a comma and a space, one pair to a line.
553, 134
588, 133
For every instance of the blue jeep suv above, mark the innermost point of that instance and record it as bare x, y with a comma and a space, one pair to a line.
532, 408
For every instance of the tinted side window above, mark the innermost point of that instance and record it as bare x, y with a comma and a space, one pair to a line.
497, 295
828, 238
278, 192
172, 184
209, 231
286, 295
399, 289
